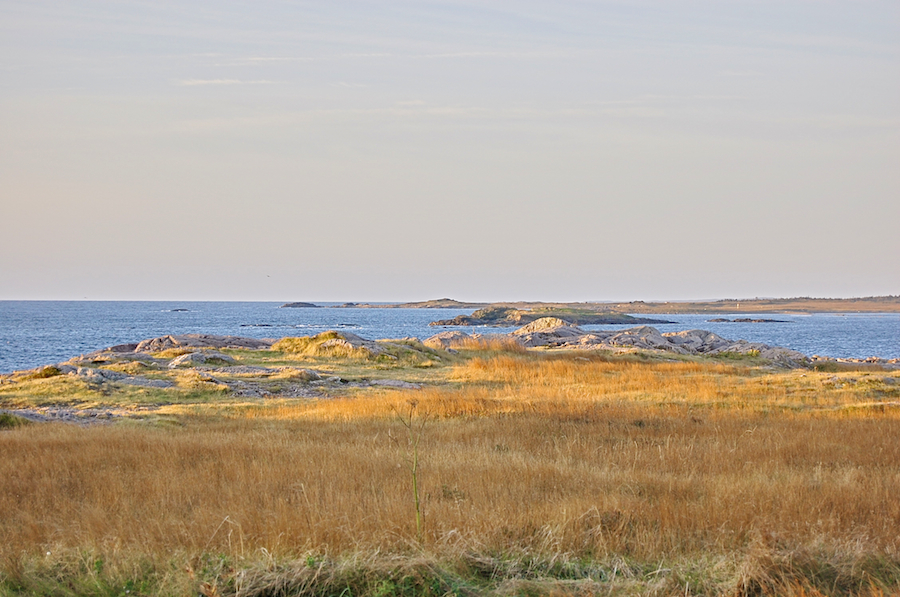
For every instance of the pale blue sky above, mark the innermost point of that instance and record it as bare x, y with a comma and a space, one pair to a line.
480, 150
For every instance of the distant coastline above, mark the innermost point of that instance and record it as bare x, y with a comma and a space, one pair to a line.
871, 304
41, 332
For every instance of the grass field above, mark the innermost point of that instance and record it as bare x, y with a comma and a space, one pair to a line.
538, 473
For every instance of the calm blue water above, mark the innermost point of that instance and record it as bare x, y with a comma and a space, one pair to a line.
34, 333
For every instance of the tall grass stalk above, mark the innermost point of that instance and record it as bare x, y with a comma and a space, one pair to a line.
415, 427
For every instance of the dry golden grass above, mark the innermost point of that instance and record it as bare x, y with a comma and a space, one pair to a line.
737, 474
490, 343
569, 384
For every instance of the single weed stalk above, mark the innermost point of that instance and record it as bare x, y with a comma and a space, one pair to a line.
415, 427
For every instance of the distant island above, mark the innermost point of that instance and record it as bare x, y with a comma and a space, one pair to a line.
745, 320
444, 303
872, 304
298, 306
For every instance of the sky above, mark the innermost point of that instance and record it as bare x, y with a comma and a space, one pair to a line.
407, 150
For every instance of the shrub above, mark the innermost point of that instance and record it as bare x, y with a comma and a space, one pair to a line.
42, 373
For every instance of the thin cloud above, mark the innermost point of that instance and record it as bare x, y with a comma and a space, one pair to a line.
830, 42
740, 73
719, 98
261, 60
195, 82
277, 59
477, 54
366, 55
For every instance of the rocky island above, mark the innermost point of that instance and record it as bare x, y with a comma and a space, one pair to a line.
499, 316
872, 304
745, 320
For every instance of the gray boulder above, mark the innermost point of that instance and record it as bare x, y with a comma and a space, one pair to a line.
697, 341
645, 337
777, 354
192, 359
445, 340
555, 332
548, 331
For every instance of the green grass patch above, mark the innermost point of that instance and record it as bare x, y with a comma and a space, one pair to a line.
10, 421
470, 574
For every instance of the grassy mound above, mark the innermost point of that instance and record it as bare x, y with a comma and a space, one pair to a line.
328, 344
337, 345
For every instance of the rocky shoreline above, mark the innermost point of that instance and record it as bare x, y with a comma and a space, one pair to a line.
155, 363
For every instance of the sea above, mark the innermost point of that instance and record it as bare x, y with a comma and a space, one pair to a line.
36, 333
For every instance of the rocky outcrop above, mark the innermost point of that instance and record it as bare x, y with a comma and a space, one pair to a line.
645, 337
703, 342
121, 348
539, 325
697, 341
554, 332
745, 320
298, 306
448, 339
877, 361
547, 331
498, 316
200, 341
